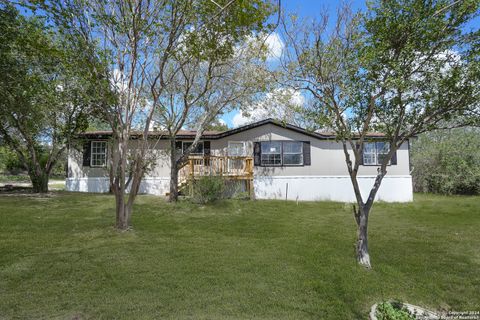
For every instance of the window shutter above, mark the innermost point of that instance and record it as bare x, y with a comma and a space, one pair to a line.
307, 158
393, 161
206, 148
257, 153
87, 153
361, 154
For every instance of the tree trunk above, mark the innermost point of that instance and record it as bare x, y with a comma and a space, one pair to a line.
122, 212
39, 181
361, 247
118, 164
173, 196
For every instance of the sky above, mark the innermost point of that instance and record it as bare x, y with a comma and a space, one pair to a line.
304, 9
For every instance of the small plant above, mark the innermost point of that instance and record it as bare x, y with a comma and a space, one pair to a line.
393, 311
208, 189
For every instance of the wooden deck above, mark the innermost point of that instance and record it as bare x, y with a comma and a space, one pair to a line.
227, 167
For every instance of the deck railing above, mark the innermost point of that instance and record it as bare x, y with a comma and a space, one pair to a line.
228, 166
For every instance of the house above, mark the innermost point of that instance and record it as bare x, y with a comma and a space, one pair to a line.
278, 161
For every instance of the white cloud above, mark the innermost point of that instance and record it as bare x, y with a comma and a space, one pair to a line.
272, 42
275, 46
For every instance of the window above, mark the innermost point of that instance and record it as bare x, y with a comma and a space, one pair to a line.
271, 153
293, 153
375, 152
277, 153
236, 148
98, 154
198, 149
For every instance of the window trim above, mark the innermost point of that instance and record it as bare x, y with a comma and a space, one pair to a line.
91, 154
282, 164
376, 164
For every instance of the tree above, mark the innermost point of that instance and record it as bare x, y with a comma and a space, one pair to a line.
401, 69
283, 104
447, 161
140, 42
204, 85
44, 95
217, 125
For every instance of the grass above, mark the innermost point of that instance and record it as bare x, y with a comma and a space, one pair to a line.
60, 258
9, 178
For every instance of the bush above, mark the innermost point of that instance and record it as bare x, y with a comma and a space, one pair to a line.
393, 311
9, 162
208, 189
447, 162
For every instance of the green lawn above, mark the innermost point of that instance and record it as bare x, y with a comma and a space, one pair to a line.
60, 258
6, 178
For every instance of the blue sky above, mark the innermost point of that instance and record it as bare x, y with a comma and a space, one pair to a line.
311, 9
304, 9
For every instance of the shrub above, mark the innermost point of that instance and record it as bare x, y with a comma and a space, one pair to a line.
9, 162
447, 162
393, 311
208, 189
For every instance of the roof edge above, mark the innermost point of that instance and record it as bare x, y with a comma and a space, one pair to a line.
219, 135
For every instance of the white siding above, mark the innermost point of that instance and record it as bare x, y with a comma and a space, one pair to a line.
331, 188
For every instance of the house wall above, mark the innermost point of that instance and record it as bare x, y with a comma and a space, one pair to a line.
325, 179
94, 179
327, 155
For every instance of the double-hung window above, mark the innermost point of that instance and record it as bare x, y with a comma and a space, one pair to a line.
292, 153
375, 152
281, 153
98, 154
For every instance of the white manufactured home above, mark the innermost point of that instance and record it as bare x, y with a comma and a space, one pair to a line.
279, 161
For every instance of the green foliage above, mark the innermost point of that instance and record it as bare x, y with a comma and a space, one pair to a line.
420, 59
447, 162
392, 311
14, 178
9, 161
208, 189
46, 91
401, 68
215, 31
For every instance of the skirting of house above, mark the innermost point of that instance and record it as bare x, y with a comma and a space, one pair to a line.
150, 185
302, 188
331, 188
